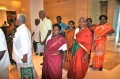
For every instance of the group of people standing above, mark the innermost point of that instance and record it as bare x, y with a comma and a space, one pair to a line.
70, 49
64, 46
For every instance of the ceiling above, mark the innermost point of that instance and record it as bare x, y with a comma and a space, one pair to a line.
52, 1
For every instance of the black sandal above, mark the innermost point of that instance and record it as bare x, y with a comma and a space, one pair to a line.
100, 69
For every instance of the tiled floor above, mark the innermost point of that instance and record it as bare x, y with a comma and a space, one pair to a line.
111, 66
112, 59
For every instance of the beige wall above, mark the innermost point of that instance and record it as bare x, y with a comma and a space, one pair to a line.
68, 9
11, 5
25, 8
95, 10
35, 7
73, 9
89, 8
81, 9
111, 10
2, 17
65, 8
19, 6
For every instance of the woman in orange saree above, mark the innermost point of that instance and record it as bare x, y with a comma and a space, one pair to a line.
69, 35
100, 32
79, 62
54, 55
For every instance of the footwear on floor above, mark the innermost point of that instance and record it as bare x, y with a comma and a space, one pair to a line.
36, 54
41, 54
100, 69
90, 66
41, 63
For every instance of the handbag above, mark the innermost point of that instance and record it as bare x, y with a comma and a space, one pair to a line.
27, 71
40, 48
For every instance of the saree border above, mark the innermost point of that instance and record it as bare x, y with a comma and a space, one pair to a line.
102, 32
84, 48
55, 43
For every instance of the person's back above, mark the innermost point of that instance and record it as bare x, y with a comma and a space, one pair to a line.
4, 57
22, 51
36, 33
22, 44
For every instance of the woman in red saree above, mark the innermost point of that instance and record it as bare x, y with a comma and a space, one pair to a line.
79, 62
54, 55
69, 35
100, 32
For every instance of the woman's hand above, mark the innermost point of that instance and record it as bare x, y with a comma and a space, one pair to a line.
42, 43
85, 56
62, 64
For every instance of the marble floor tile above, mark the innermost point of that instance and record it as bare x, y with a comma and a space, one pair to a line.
111, 68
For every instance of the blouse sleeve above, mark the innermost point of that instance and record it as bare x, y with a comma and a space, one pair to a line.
76, 31
63, 47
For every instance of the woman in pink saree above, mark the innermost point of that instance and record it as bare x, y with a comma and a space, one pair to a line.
54, 55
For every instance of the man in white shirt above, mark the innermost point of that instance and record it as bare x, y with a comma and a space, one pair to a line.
4, 57
36, 33
45, 27
22, 51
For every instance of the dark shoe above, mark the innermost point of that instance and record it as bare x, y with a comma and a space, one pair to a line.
90, 66
41, 54
41, 63
100, 69
36, 54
